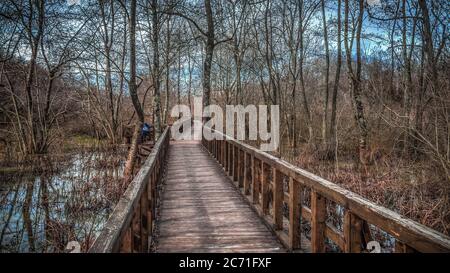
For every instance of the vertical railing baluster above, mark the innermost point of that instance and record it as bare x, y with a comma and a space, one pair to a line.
295, 208
264, 189
236, 163
136, 223
150, 206
255, 181
231, 163
246, 173
229, 158
223, 153
241, 168
144, 221
126, 244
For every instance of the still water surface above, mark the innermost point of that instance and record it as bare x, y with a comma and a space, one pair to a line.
42, 213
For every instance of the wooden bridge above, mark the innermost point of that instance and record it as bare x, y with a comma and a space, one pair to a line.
226, 196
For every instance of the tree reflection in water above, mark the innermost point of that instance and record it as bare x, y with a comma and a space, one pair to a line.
42, 213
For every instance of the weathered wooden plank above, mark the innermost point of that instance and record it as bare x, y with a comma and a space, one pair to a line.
207, 213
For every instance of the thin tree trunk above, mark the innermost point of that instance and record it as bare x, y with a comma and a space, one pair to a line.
209, 52
327, 75
332, 134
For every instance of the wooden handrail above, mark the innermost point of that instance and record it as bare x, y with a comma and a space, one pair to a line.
251, 170
131, 223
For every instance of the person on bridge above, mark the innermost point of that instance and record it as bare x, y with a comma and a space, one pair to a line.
145, 132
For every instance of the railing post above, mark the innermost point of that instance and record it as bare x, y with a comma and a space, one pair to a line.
241, 168
278, 196
223, 152
225, 156
218, 150
126, 244
352, 232
295, 208
264, 190
230, 146
236, 163
233, 162
255, 181
318, 217
136, 223
144, 221
149, 206
247, 173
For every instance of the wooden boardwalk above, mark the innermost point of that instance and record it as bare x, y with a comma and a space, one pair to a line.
202, 211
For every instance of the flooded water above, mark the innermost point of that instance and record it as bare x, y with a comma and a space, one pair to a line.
42, 213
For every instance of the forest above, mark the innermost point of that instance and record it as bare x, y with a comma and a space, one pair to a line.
363, 89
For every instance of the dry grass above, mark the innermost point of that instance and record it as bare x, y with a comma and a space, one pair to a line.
412, 188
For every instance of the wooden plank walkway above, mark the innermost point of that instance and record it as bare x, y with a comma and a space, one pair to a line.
202, 211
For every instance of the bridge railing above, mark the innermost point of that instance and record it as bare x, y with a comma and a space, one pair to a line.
131, 224
272, 185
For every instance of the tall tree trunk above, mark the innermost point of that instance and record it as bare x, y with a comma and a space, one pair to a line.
302, 77
132, 153
156, 70
34, 44
355, 78
179, 73
108, 41
167, 95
